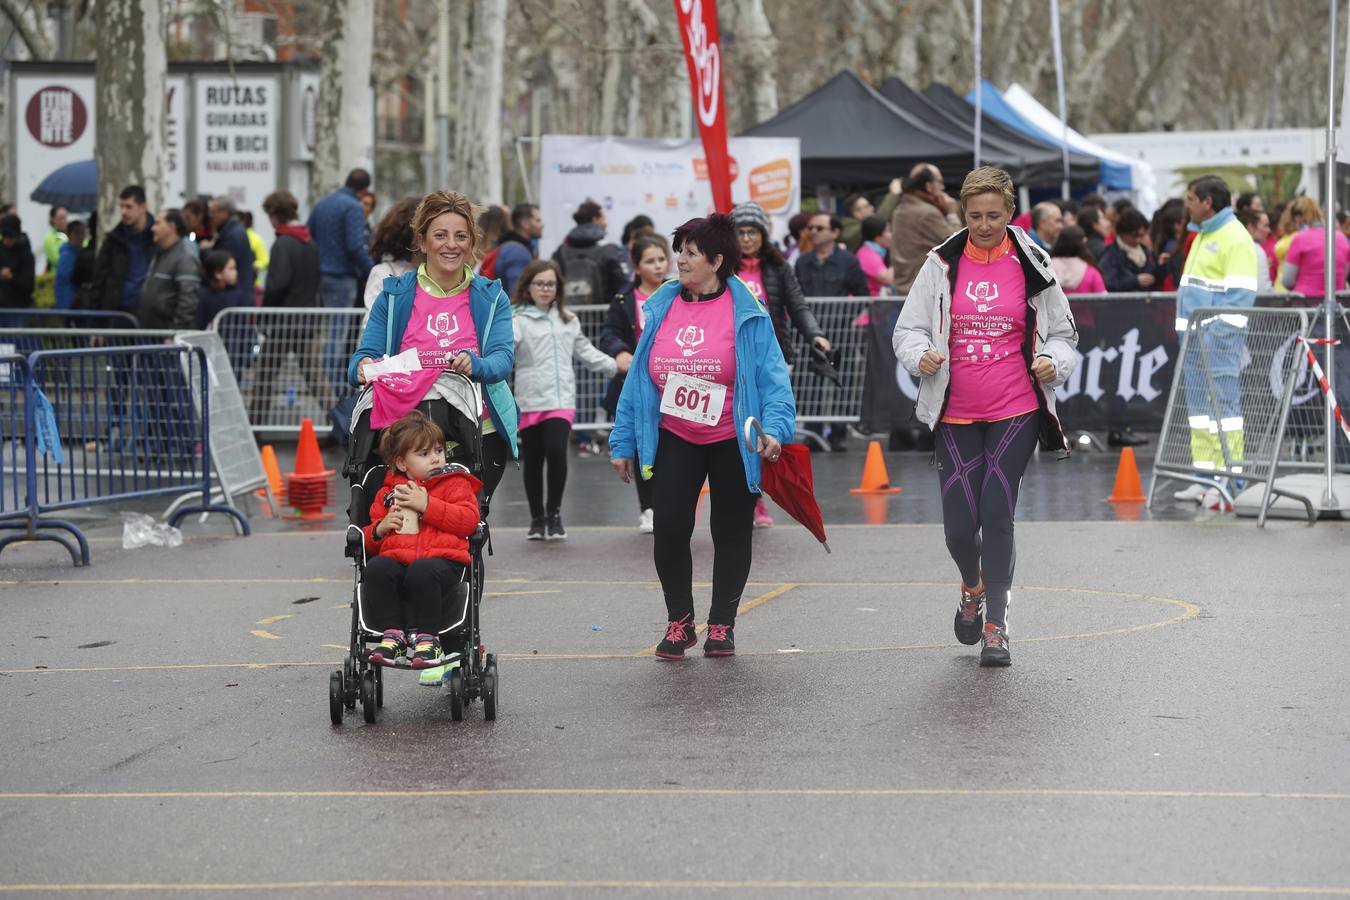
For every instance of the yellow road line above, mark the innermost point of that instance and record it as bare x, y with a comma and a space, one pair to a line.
272, 620
744, 608
671, 885
267, 635
169, 667
516, 593
768, 793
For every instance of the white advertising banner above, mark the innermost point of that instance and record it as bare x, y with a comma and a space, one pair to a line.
666, 180
54, 126
236, 141
175, 141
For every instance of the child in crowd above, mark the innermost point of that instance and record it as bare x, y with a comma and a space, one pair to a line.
548, 338
220, 287
417, 541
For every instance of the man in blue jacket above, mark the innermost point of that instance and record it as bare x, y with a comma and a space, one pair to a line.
338, 228
232, 237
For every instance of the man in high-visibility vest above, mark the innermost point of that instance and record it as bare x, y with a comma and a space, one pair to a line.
1220, 271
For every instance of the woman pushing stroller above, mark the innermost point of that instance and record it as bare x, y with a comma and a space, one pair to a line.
417, 541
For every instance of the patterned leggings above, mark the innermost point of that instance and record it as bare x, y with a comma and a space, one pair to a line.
980, 469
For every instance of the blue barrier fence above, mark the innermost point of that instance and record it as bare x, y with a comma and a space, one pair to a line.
13, 454
74, 318
104, 425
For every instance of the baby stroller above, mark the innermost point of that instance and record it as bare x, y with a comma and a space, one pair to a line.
452, 403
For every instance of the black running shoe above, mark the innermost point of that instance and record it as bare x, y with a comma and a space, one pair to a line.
995, 652
720, 641
679, 637
536, 532
556, 532
969, 616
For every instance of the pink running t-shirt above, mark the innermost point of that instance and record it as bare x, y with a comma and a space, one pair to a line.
698, 339
990, 380
872, 264
438, 328
639, 315
752, 273
1308, 251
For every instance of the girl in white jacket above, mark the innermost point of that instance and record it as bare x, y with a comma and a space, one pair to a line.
548, 338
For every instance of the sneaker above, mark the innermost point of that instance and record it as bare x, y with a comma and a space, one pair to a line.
1192, 494
646, 522
720, 641
391, 648
1215, 502
762, 517
426, 650
970, 615
679, 637
995, 652
556, 532
536, 532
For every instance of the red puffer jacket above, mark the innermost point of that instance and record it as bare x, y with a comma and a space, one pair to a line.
451, 516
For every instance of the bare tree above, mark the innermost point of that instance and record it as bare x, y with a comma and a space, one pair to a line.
129, 136
344, 93
478, 131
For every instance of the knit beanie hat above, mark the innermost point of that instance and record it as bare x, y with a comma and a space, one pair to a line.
750, 214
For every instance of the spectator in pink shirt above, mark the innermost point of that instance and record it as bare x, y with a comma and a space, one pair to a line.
1304, 269
1074, 266
874, 255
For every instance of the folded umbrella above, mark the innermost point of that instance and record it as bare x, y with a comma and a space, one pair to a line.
826, 365
789, 482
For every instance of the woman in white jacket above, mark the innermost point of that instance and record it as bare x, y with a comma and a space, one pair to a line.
989, 334
548, 338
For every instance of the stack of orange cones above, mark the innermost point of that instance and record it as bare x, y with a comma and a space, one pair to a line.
310, 487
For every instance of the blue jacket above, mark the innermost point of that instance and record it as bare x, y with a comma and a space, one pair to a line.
65, 265
492, 364
762, 388
512, 259
338, 226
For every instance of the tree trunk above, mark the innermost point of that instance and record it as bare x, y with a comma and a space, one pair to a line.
344, 128
129, 93
758, 55
478, 132
613, 68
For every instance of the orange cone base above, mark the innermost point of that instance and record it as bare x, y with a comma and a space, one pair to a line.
302, 516
875, 490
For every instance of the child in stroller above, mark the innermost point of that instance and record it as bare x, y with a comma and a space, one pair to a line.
417, 541
428, 585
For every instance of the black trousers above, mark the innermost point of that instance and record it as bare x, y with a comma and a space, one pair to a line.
678, 476
413, 598
547, 442
980, 468
496, 454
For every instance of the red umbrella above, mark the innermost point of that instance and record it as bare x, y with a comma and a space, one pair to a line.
789, 482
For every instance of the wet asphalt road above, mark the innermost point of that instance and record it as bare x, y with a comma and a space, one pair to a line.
1174, 723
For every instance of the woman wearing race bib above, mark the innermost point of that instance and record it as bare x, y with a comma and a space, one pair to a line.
988, 331
707, 361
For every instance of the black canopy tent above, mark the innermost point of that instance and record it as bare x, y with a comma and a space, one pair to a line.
853, 137
1031, 163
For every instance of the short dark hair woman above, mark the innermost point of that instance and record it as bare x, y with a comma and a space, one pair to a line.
393, 247
988, 332
707, 361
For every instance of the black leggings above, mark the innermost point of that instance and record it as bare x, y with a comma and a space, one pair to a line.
413, 598
496, 454
644, 486
677, 479
980, 469
546, 442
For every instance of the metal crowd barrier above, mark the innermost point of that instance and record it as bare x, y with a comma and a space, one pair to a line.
13, 428
105, 425
291, 364
53, 318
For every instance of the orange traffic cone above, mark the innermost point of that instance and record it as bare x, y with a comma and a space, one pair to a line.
309, 487
1127, 489
269, 461
874, 477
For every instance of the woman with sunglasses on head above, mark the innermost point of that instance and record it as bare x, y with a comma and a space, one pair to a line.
548, 338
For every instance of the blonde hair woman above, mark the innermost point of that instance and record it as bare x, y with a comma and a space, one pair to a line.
987, 330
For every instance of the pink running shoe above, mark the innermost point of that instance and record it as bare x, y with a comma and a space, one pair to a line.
762, 517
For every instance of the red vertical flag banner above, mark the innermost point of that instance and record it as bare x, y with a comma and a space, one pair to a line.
703, 54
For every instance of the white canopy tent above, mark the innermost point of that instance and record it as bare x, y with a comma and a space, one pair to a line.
1144, 185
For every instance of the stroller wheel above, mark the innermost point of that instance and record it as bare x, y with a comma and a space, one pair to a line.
335, 697
490, 690
456, 695
379, 688
368, 697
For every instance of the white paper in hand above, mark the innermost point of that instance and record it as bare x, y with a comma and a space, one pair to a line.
401, 364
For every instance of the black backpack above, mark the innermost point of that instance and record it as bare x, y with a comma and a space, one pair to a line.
583, 280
